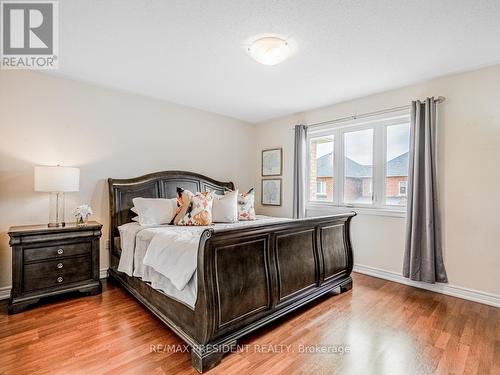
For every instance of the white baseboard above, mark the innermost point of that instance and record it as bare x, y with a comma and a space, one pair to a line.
451, 290
103, 273
5, 291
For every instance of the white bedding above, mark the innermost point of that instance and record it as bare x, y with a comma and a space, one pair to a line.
166, 255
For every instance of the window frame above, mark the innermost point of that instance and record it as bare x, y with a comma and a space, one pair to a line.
379, 124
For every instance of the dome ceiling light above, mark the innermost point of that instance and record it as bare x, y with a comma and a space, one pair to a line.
269, 50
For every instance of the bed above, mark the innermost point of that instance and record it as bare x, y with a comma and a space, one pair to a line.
246, 275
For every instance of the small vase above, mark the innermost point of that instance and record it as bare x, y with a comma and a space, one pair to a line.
82, 220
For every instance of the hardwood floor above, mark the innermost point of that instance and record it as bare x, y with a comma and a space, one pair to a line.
388, 328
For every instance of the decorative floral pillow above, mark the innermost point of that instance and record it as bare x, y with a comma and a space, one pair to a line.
246, 209
184, 204
200, 211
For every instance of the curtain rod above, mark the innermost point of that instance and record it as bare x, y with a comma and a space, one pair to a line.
439, 99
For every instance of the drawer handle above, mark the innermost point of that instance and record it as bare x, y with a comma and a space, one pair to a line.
60, 265
60, 251
59, 279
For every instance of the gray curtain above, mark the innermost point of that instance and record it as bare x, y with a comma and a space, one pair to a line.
423, 259
299, 172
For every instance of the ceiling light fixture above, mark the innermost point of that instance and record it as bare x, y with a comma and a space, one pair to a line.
269, 50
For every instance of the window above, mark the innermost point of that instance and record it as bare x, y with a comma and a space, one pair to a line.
321, 189
358, 166
368, 156
402, 188
396, 167
321, 167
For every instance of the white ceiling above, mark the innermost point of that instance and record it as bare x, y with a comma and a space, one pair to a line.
193, 52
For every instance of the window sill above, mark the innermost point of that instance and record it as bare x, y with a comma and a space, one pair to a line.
328, 208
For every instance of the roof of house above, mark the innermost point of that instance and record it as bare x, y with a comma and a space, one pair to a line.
395, 167
398, 166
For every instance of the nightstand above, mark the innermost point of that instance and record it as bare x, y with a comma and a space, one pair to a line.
51, 261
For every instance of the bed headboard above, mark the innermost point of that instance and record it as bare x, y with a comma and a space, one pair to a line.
153, 185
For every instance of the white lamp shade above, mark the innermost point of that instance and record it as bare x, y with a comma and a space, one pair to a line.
57, 179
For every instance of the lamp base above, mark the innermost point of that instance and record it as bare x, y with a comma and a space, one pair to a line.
56, 213
55, 225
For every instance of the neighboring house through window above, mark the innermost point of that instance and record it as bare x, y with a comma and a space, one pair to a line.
367, 188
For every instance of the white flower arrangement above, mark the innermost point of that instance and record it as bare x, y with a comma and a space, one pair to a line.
82, 212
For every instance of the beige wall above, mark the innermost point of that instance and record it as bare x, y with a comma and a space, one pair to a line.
469, 176
107, 133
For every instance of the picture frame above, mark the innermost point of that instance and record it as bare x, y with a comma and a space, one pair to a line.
271, 192
272, 162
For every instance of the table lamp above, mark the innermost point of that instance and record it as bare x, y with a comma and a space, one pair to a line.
56, 181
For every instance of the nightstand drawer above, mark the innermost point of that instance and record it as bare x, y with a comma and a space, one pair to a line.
56, 272
48, 252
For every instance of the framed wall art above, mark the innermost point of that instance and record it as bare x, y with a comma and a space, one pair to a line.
271, 192
272, 162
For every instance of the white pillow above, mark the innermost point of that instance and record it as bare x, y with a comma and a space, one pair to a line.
225, 207
155, 211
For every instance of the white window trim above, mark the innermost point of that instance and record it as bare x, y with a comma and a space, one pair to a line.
379, 125
330, 208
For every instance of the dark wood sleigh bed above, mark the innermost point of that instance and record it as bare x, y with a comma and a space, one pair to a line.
247, 277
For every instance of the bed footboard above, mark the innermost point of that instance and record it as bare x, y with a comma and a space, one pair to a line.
250, 276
